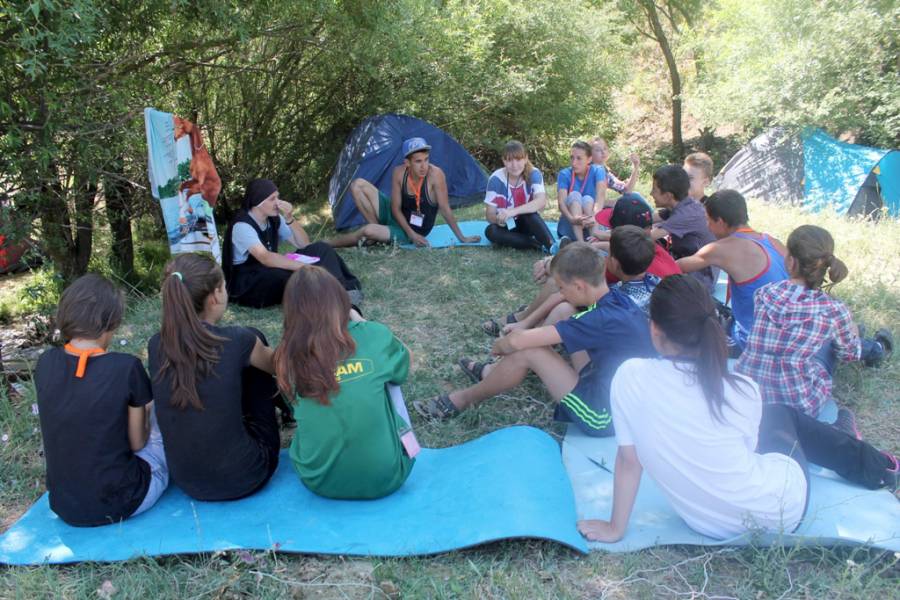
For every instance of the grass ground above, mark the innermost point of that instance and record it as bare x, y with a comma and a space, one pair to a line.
434, 300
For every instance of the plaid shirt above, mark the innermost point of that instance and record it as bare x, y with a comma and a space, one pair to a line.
791, 325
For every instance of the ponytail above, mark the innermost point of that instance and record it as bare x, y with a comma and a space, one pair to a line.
686, 314
186, 346
837, 271
812, 249
712, 363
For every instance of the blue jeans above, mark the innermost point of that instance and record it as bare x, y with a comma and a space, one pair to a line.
564, 228
827, 357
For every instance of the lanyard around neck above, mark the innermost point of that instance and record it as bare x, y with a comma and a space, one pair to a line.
510, 190
583, 181
417, 191
83, 354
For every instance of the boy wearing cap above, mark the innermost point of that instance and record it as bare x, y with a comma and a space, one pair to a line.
418, 193
632, 209
599, 339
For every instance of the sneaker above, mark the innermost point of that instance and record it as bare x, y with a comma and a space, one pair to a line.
846, 422
891, 477
876, 350
559, 245
886, 339
356, 297
554, 248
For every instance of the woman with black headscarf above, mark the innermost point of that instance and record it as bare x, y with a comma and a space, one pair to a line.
255, 273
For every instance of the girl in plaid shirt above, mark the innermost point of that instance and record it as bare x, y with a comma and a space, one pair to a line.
799, 330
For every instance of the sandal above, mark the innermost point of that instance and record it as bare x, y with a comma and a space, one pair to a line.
494, 328
471, 368
439, 407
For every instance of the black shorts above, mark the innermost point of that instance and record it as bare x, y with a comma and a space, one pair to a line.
587, 405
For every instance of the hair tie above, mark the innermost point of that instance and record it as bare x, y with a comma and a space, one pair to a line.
178, 275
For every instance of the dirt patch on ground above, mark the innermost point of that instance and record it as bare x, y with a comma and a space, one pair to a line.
21, 344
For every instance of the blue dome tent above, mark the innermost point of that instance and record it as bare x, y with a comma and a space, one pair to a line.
373, 150
815, 171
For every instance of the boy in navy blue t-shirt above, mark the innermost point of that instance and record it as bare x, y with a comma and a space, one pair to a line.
599, 339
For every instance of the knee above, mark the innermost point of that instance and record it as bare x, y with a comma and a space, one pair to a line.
490, 232
357, 185
561, 312
525, 358
319, 248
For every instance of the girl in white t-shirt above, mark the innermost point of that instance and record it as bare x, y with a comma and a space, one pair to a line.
726, 462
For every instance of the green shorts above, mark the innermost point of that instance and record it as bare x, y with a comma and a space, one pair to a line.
386, 218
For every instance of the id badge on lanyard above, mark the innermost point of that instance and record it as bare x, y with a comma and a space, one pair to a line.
417, 217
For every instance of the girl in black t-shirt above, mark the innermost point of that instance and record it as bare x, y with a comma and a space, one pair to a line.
104, 454
213, 388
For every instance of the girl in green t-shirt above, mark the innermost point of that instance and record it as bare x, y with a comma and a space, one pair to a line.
348, 438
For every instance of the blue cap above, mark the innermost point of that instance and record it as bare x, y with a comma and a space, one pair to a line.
415, 144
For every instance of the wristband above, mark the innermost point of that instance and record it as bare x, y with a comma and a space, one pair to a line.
291, 222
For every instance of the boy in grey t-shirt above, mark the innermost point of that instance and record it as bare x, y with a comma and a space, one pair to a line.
685, 221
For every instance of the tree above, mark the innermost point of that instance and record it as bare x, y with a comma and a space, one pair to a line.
662, 22
75, 76
276, 88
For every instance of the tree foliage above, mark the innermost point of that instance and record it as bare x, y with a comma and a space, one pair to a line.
802, 63
276, 86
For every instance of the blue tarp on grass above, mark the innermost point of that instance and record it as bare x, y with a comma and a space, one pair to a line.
839, 513
508, 484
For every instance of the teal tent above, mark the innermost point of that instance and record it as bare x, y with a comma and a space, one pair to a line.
816, 171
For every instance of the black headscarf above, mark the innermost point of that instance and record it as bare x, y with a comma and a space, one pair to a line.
257, 191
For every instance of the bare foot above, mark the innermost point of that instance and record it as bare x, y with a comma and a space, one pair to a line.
597, 530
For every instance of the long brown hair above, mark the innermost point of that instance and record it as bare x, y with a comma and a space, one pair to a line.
515, 149
316, 312
686, 314
812, 249
186, 346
